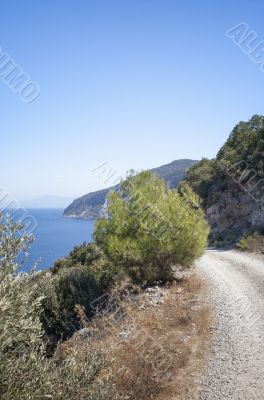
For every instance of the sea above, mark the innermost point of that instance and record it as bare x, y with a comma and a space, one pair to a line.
55, 236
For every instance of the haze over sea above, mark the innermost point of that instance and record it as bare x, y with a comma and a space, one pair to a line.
55, 236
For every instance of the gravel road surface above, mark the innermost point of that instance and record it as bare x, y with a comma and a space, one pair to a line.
236, 292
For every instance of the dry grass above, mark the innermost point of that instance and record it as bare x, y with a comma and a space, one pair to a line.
156, 351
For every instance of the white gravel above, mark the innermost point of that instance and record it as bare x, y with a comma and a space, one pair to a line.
236, 365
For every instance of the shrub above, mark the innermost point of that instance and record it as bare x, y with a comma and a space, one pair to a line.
151, 228
90, 256
62, 293
58, 265
253, 242
25, 372
86, 254
78, 279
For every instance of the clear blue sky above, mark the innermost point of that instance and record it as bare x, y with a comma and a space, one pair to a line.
135, 83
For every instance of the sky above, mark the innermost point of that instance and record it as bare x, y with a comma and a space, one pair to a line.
123, 84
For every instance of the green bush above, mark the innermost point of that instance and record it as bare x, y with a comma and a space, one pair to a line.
86, 254
62, 292
58, 265
151, 228
78, 279
90, 256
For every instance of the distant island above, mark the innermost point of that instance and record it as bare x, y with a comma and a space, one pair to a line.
91, 205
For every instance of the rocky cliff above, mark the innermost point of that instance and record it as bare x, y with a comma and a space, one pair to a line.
91, 205
232, 185
234, 213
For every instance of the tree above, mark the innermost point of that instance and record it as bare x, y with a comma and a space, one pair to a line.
151, 228
245, 144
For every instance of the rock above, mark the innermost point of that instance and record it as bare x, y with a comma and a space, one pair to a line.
154, 296
233, 213
83, 334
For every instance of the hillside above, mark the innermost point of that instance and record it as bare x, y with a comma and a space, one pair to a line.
90, 206
232, 185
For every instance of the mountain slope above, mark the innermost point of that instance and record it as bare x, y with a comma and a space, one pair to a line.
91, 205
232, 185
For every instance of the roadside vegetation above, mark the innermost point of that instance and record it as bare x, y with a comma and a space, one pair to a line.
151, 228
253, 243
242, 152
25, 370
151, 232
157, 338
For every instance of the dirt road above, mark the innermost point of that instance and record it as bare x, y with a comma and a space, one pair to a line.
236, 291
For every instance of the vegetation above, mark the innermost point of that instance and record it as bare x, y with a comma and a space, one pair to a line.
61, 294
201, 176
80, 278
223, 182
252, 242
25, 371
151, 228
92, 204
152, 361
20, 328
160, 234
241, 158
93, 259
246, 143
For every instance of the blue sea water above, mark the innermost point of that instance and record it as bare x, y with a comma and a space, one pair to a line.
55, 236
